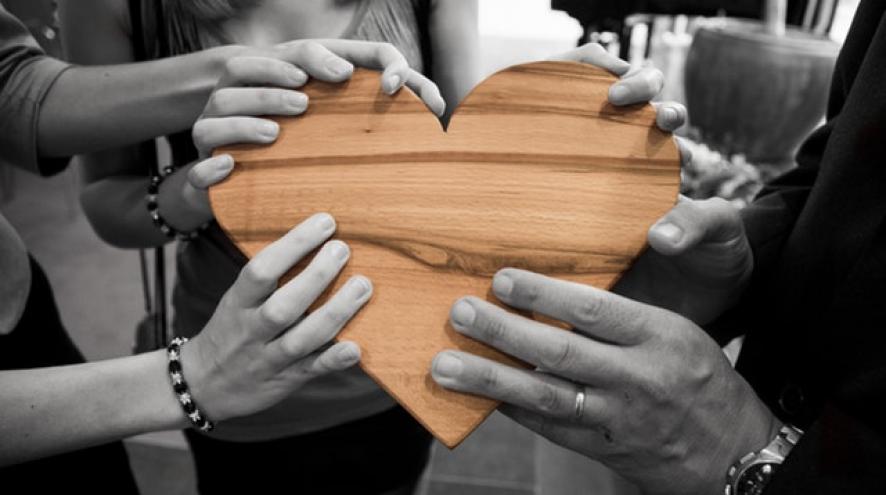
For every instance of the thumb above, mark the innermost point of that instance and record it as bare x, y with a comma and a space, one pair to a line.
693, 222
210, 171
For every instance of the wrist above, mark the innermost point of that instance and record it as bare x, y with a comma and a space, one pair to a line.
174, 208
163, 411
755, 427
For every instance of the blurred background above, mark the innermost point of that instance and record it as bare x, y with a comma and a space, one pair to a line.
754, 75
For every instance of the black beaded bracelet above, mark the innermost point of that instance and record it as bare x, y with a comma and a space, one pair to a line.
180, 386
154, 210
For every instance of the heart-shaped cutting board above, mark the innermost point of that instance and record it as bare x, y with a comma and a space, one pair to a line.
536, 171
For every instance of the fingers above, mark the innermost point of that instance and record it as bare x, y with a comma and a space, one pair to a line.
317, 60
260, 276
373, 55
569, 434
255, 101
692, 222
215, 132
395, 67
551, 349
638, 87
210, 172
595, 54
323, 325
427, 91
261, 71
537, 392
596, 313
669, 116
288, 303
339, 357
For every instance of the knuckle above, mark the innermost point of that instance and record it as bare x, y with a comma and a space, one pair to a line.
267, 98
274, 315
561, 355
309, 48
293, 347
489, 378
258, 272
336, 316
548, 401
219, 102
588, 310
492, 329
320, 275
235, 67
654, 80
199, 134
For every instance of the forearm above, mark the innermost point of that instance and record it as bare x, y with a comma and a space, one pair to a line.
52, 410
99, 107
115, 207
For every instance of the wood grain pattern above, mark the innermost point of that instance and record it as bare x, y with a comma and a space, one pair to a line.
536, 171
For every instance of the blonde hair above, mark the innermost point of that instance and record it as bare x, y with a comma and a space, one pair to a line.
212, 11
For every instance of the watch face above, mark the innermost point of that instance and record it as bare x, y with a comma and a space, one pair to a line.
754, 479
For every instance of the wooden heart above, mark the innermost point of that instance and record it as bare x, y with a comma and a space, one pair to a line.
536, 171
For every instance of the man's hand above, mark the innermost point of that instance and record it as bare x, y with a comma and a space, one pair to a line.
639, 388
699, 262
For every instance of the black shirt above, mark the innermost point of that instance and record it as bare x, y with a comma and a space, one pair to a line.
815, 314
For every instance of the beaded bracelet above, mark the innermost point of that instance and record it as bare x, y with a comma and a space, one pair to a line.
197, 418
154, 210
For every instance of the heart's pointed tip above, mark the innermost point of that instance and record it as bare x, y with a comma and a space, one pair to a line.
452, 441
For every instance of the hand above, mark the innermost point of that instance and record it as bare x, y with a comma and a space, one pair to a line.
699, 262
635, 86
662, 405
261, 345
256, 86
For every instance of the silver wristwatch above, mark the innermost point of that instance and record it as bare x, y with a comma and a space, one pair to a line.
751, 474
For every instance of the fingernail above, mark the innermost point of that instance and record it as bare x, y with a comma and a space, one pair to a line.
349, 355
325, 221
670, 114
224, 164
297, 101
269, 130
463, 314
296, 76
339, 250
360, 286
670, 232
393, 84
337, 66
502, 285
622, 66
446, 365
618, 93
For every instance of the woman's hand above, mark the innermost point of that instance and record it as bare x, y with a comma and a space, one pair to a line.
639, 388
266, 84
262, 344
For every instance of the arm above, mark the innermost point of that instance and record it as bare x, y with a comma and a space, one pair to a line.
257, 348
52, 410
116, 180
455, 49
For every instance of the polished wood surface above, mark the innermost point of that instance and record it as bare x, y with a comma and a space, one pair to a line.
536, 171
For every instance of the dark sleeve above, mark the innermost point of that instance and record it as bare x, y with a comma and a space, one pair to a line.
768, 221
26, 75
839, 454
